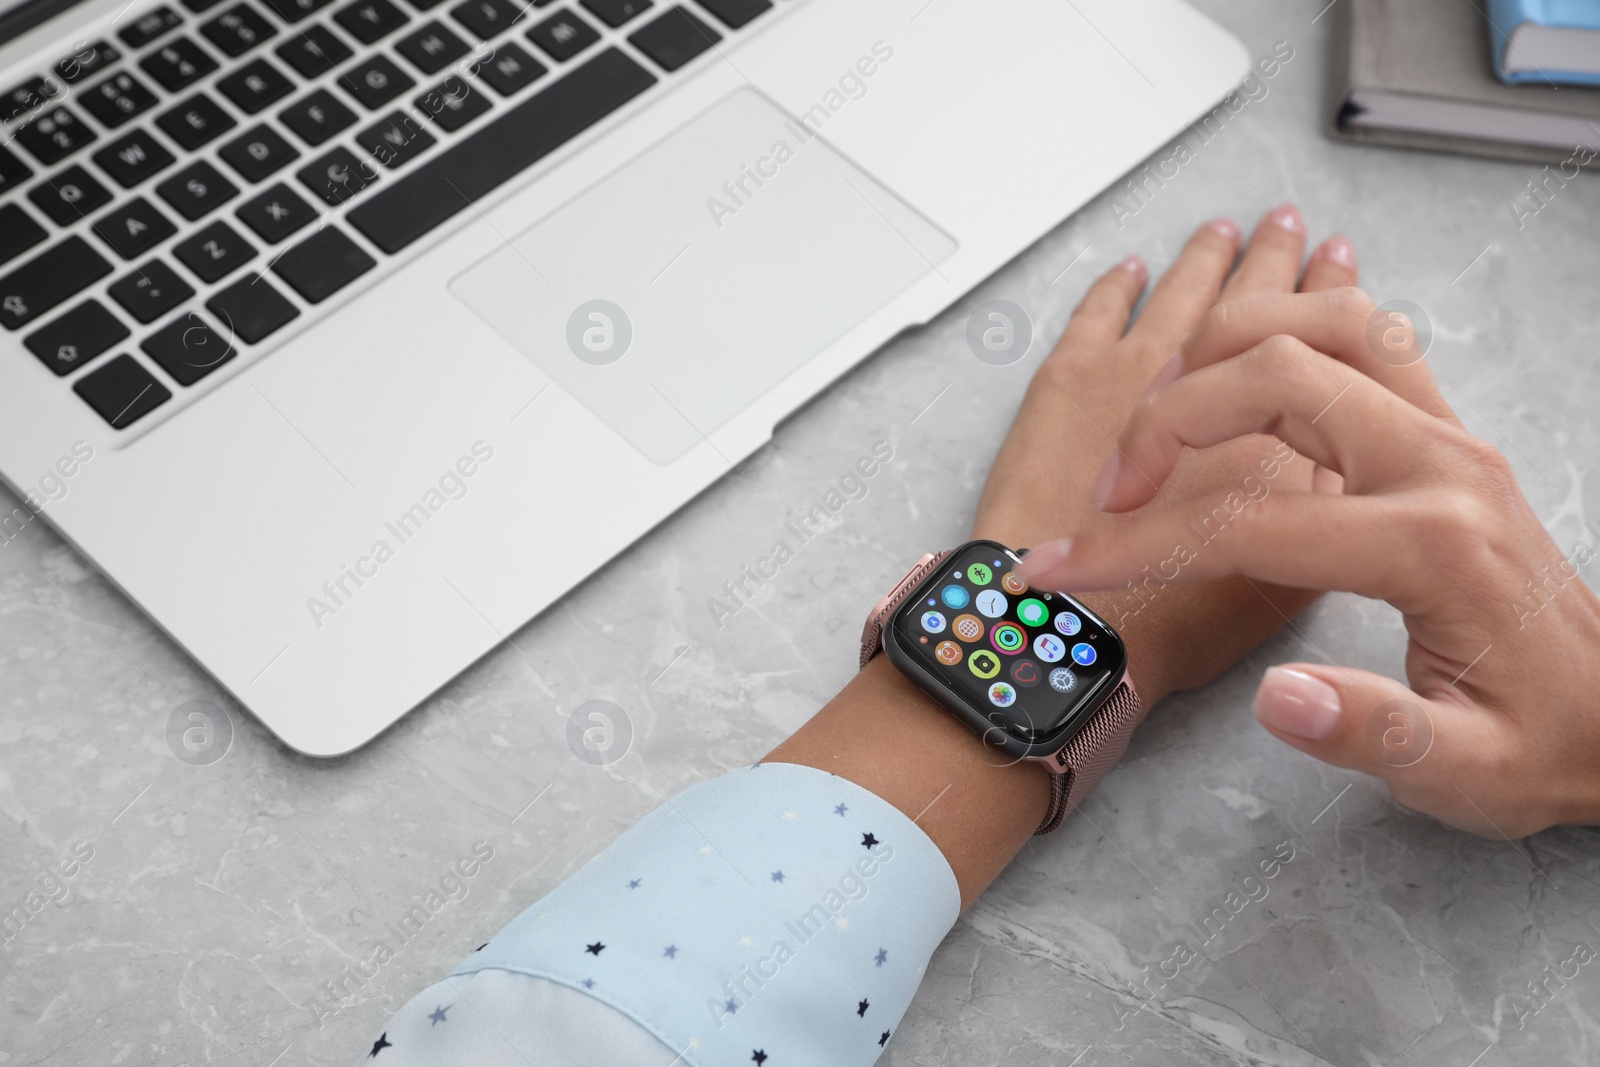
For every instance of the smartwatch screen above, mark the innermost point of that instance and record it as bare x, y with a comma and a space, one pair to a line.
1029, 661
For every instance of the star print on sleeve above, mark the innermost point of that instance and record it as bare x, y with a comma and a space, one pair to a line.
671, 952
588, 983
634, 884
884, 1040
379, 1045
777, 876
841, 809
861, 1009
759, 1056
595, 948
882, 957
868, 842
438, 1015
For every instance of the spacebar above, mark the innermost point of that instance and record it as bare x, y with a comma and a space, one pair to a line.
506, 147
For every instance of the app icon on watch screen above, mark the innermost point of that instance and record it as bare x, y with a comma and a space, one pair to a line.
955, 597
1001, 695
1084, 654
978, 574
1049, 648
933, 622
949, 653
1026, 673
967, 627
992, 602
1033, 612
984, 664
1068, 623
1062, 680
1008, 638
1013, 584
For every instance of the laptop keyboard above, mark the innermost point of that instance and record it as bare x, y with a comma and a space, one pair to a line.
172, 198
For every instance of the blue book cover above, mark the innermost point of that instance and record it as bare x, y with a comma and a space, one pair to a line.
1546, 42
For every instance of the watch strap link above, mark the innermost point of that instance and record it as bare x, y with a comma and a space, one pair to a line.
1087, 758
872, 633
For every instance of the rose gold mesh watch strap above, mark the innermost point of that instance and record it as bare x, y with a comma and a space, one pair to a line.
1084, 760
872, 634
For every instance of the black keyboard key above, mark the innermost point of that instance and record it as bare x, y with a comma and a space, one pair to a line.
197, 6
395, 140
195, 122
431, 48
150, 291
276, 213
736, 14
87, 61
258, 153
314, 51
237, 30
255, 85
117, 99
188, 349
615, 12
563, 36
134, 228
337, 176
292, 11
196, 189
429, 5
251, 308
375, 82
18, 232
122, 391
322, 264
47, 279
177, 64
485, 18
510, 69
69, 196
54, 135
13, 172
215, 252
452, 103
149, 26
76, 337
521, 136
368, 20
30, 98
133, 158
317, 117
675, 38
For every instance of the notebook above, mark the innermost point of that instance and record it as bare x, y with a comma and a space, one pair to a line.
1542, 42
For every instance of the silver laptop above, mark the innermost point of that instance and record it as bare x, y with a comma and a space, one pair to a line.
329, 324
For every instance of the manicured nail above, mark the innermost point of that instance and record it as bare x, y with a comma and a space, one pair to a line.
1105, 481
1288, 216
1340, 252
1133, 265
1225, 226
1044, 559
1297, 704
1170, 372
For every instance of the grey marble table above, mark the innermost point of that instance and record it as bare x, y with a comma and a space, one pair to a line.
226, 913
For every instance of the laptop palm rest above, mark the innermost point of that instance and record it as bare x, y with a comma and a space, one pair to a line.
694, 278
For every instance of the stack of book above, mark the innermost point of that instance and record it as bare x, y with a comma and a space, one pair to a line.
1518, 80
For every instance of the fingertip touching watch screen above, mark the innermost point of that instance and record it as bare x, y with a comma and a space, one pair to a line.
1030, 662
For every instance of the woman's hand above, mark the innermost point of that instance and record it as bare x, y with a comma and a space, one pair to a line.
1179, 636
1499, 732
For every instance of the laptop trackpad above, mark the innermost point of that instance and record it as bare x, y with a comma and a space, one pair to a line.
697, 276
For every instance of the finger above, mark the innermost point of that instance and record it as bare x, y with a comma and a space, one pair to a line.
1272, 262
1332, 266
1101, 317
1339, 322
1321, 408
1378, 726
1368, 545
1190, 286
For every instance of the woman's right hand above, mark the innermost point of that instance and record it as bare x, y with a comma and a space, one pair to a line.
1499, 732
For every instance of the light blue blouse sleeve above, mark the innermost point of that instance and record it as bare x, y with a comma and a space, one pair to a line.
776, 915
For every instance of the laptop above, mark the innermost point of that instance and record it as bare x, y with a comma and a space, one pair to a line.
345, 336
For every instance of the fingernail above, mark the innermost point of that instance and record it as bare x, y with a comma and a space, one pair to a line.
1170, 372
1133, 265
1297, 704
1287, 216
1105, 482
1339, 250
1044, 559
1225, 226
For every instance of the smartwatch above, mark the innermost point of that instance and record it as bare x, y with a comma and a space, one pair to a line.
1034, 673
